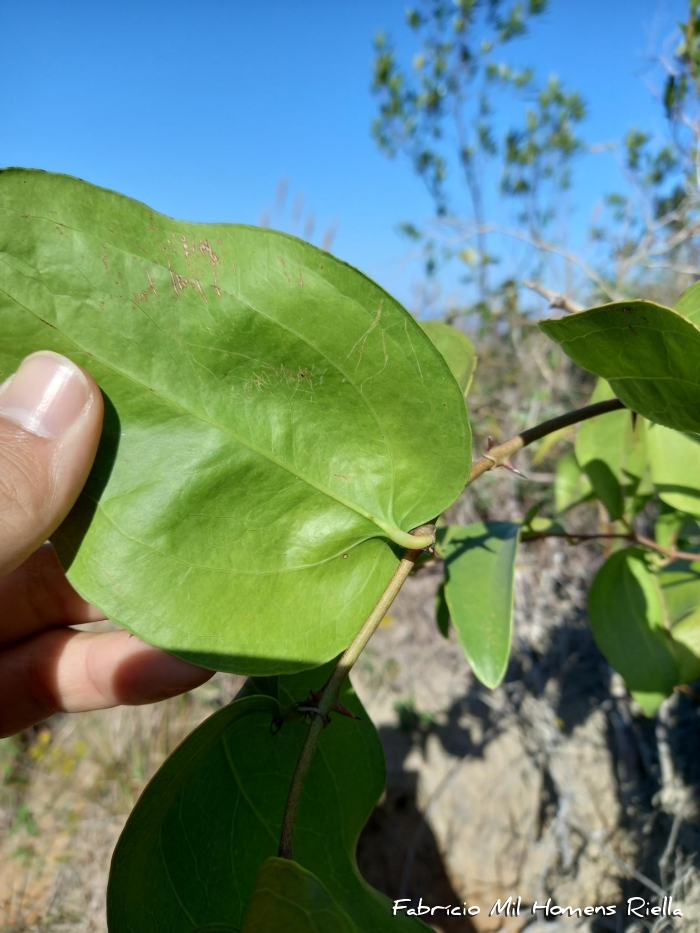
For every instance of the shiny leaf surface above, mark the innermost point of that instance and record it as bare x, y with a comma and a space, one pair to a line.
649, 354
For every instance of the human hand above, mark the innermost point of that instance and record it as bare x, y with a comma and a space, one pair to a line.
50, 422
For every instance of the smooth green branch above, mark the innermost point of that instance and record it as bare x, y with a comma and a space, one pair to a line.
331, 691
500, 454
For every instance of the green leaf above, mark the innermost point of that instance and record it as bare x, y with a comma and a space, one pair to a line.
571, 485
289, 898
680, 590
649, 702
689, 304
442, 612
668, 525
457, 349
627, 619
686, 639
191, 850
540, 523
479, 572
276, 422
649, 355
675, 467
680, 587
611, 451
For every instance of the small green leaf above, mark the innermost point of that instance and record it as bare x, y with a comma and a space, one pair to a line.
276, 423
649, 702
571, 485
680, 587
686, 640
649, 355
548, 442
457, 349
675, 467
191, 850
689, 304
627, 619
442, 612
610, 450
479, 572
540, 523
289, 898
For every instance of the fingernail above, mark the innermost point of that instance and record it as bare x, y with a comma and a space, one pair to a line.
46, 394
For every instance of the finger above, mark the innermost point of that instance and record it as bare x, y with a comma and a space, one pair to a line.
77, 671
50, 423
37, 596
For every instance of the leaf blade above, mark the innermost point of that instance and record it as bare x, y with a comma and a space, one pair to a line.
458, 350
647, 353
246, 373
479, 591
627, 619
287, 897
231, 776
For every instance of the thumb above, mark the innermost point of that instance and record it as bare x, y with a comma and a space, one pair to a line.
50, 424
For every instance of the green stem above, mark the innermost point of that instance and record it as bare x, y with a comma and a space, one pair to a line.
331, 691
423, 537
500, 454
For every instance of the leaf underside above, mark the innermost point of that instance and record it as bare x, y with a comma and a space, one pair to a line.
276, 423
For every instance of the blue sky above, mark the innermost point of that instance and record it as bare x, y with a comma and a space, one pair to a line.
200, 109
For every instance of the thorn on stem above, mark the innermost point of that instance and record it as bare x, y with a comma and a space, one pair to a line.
513, 469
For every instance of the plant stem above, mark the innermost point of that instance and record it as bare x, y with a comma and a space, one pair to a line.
631, 536
498, 455
331, 691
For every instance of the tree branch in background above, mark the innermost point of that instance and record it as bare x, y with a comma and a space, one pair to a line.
631, 536
555, 300
500, 454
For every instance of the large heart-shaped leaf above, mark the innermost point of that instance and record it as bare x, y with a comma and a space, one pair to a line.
649, 354
611, 451
675, 467
193, 846
457, 349
628, 621
276, 422
479, 573
289, 898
